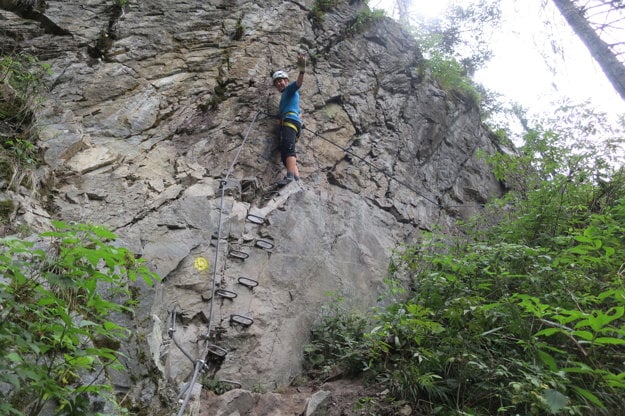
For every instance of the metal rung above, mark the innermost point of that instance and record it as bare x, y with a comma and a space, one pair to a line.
256, 219
264, 244
241, 320
228, 294
217, 350
238, 254
246, 281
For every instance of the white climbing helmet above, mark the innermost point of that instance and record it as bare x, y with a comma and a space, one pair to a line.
279, 75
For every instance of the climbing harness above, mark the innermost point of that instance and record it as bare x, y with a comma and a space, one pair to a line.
291, 125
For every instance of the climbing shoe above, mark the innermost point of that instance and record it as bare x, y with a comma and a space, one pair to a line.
284, 182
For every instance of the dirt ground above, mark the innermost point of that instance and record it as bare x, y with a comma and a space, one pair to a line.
347, 398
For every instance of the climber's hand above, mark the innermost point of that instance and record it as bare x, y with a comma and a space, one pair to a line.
301, 63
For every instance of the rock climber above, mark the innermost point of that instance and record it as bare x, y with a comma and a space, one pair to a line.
290, 123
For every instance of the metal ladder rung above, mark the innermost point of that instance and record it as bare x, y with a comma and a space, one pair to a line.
246, 281
241, 320
238, 254
217, 350
264, 244
228, 294
256, 219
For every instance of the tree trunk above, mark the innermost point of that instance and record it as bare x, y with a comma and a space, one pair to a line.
600, 51
402, 8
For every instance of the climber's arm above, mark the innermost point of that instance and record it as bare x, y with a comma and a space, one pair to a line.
301, 65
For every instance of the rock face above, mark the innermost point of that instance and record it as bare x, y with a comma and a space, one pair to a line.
159, 124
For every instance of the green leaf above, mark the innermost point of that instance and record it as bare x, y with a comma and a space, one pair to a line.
85, 361
585, 335
548, 360
548, 332
13, 357
588, 396
555, 400
609, 341
581, 249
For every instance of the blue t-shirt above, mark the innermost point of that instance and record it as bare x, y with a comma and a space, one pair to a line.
289, 103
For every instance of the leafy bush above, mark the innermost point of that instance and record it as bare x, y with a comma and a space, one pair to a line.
524, 313
57, 303
364, 19
450, 73
335, 341
22, 77
319, 9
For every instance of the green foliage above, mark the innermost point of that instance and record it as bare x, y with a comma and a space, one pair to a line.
258, 388
444, 68
452, 76
221, 387
325, 5
522, 314
319, 9
24, 74
239, 29
58, 299
335, 341
7, 207
22, 78
364, 19
24, 152
560, 175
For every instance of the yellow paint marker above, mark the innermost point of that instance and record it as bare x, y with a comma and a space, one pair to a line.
200, 264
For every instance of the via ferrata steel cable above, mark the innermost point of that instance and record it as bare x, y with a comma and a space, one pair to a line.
200, 363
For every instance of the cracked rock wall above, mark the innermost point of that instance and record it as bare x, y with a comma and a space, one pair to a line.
150, 103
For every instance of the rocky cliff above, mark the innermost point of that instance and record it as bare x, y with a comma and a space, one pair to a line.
159, 123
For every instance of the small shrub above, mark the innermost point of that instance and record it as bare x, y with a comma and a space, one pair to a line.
319, 9
335, 342
364, 19
451, 75
239, 29
22, 78
56, 309
444, 68
7, 207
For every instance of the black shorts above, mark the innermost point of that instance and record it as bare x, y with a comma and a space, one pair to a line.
288, 137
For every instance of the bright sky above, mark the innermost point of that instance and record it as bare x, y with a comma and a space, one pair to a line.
518, 69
